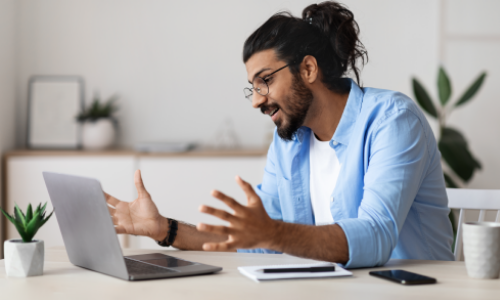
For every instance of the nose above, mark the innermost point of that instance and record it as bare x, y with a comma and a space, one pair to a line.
258, 100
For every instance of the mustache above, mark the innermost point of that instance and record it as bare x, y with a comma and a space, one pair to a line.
267, 108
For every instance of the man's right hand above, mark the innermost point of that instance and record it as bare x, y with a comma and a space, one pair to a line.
139, 217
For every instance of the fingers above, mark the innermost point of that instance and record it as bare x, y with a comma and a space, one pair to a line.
219, 246
228, 201
248, 189
221, 214
139, 185
120, 229
222, 230
111, 200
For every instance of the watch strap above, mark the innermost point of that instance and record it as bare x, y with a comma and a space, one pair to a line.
171, 234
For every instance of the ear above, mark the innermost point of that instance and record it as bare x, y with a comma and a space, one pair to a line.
309, 69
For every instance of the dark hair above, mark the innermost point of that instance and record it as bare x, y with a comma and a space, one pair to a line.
326, 31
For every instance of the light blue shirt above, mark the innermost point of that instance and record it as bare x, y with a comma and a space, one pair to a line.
390, 196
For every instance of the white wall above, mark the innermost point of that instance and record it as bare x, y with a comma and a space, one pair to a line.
470, 45
177, 64
7, 73
7, 81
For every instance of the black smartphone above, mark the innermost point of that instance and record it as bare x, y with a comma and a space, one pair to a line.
403, 277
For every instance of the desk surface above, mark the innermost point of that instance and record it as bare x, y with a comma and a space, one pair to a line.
62, 280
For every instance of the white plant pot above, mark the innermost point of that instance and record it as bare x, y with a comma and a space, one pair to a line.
98, 135
23, 259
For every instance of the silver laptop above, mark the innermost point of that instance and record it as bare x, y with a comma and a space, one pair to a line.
90, 237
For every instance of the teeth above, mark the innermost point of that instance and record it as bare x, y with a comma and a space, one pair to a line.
273, 112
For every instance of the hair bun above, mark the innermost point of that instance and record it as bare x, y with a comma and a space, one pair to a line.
337, 24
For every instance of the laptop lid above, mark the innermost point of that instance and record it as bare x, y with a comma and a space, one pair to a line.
86, 226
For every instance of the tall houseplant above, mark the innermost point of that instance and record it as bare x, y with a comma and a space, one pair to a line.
452, 144
24, 257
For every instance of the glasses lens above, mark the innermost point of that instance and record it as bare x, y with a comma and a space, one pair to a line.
260, 86
248, 93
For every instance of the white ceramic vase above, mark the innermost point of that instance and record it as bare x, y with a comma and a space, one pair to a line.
23, 259
481, 242
98, 135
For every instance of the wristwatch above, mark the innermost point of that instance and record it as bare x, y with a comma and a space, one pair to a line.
171, 234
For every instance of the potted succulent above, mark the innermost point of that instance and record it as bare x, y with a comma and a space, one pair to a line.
98, 129
24, 257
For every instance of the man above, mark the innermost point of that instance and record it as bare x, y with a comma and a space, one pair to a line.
360, 164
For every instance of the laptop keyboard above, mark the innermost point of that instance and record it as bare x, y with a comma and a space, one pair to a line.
140, 268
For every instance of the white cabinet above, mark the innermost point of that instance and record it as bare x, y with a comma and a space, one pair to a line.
25, 184
179, 184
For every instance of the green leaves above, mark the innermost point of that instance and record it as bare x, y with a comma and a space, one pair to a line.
423, 98
472, 90
29, 212
28, 225
453, 146
456, 154
19, 215
444, 86
98, 110
444, 91
16, 222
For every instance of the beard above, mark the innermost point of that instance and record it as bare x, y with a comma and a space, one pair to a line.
298, 103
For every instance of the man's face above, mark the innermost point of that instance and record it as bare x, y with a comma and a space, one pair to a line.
288, 100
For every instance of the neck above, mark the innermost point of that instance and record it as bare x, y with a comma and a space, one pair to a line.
325, 112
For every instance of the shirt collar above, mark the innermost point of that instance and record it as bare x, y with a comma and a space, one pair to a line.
351, 111
300, 134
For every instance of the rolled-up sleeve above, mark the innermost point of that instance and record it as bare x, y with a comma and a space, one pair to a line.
397, 159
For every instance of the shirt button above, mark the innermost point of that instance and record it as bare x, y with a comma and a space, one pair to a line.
335, 143
331, 199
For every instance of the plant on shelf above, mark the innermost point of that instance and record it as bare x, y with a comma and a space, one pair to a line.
99, 109
98, 123
24, 257
453, 146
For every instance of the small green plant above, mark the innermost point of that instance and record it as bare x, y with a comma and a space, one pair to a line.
28, 225
99, 109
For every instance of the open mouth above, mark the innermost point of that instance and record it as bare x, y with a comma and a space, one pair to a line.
273, 112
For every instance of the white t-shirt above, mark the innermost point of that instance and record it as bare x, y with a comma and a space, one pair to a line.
324, 171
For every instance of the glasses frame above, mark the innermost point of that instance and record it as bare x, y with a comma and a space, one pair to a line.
265, 79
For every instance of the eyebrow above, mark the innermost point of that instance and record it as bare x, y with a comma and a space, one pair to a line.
258, 73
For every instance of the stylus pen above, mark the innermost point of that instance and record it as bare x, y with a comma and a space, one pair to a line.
294, 270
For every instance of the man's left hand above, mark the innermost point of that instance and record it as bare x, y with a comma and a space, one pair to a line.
249, 227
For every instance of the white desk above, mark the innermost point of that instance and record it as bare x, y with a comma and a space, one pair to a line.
62, 280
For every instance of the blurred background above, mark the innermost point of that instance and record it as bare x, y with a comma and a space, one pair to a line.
177, 68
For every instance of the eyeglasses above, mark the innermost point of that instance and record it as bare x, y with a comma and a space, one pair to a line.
259, 84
